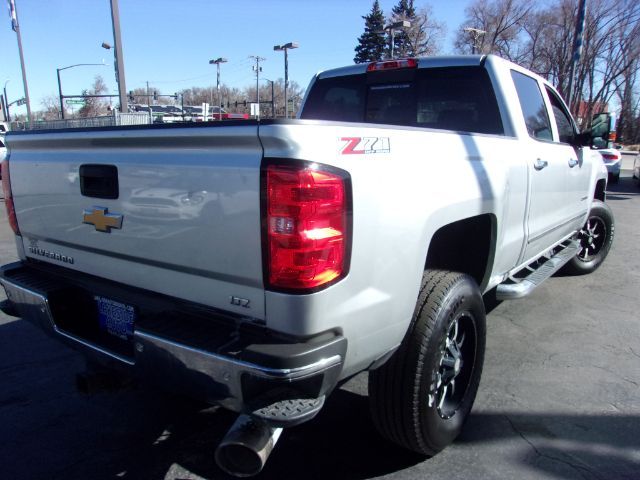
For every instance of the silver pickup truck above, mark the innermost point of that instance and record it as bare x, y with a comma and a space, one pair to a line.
256, 265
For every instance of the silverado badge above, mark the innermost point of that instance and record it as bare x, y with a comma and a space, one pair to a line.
101, 219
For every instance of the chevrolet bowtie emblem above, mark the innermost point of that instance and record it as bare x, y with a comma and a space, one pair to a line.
101, 219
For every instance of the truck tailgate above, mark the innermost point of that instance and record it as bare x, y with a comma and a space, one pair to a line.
188, 199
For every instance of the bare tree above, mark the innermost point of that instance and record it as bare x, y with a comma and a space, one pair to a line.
542, 39
502, 23
51, 106
423, 37
94, 107
425, 34
611, 44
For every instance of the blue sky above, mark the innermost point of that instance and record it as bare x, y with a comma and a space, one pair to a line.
169, 42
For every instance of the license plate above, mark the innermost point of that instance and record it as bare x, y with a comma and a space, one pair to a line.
115, 318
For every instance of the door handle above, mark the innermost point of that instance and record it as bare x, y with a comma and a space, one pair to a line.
540, 164
573, 162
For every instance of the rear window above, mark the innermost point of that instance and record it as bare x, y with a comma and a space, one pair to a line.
460, 99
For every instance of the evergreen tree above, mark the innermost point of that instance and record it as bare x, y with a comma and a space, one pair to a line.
371, 44
404, 10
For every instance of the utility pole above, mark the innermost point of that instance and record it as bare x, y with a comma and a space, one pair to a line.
273, 101
16, 28
257, 68
475, 33
286, 47
117, 53
577, 49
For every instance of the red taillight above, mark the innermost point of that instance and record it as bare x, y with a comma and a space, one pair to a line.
8, 197
307, 222
610, 156
392, 65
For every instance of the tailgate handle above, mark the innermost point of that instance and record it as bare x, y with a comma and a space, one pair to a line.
99, 181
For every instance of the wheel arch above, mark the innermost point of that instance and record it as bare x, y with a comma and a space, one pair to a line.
599, 192
450, 247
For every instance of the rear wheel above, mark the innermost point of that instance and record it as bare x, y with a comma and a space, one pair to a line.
596, 237
421, 397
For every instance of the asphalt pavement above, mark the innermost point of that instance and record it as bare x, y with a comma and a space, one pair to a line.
559, 398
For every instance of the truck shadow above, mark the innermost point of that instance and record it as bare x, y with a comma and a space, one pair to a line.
50, 431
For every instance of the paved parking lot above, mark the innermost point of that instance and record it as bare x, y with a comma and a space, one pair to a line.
560, 398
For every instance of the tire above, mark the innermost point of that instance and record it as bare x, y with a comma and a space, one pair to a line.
421, 397
596, 238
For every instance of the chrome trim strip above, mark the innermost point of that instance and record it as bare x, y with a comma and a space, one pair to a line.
279, 373
95, 347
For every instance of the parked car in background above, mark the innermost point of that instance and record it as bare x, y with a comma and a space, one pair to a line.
192, 113
636, 168
214, 114
612, 159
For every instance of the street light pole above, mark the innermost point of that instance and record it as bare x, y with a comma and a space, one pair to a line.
273, 102
58, 70
476, 33
217, 63
392, 29
6, 102
286, 47
60, 95
13, 11
117, 53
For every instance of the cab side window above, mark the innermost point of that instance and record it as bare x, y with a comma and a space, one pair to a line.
535, 113
562, 118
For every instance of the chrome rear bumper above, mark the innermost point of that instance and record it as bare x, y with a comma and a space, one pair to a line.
233, 382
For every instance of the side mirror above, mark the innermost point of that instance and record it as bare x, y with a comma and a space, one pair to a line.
603, 126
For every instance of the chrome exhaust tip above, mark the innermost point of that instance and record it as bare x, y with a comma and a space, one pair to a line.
245, 448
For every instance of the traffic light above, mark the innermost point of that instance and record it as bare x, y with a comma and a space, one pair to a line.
155, 96
131, 96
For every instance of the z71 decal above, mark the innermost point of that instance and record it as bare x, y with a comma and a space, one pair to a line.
364, 145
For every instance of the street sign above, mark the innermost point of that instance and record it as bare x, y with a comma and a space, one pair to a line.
73, 101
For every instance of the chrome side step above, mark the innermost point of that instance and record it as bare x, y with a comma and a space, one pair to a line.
521, 287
